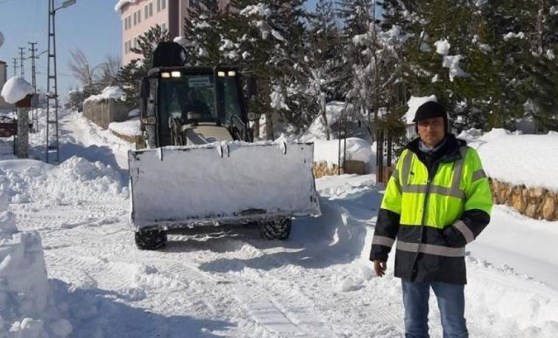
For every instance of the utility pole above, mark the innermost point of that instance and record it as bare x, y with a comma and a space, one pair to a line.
52, 90
52, 145
33, 50
14, 61
34, 115
21, 58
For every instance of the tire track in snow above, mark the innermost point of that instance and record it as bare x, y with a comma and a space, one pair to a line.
277, 311
383, 322
276, 305
37, 217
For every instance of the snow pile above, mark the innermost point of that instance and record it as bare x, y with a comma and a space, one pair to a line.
511, 305
134, 113
7, 219
527, 164
130, 127
24, 287
6, 119
181, 41
356, 150
16, 89
100, 176
334, 111
112, 92
74, 181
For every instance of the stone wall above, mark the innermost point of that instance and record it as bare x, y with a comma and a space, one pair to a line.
104, 112
321, 169
537, 203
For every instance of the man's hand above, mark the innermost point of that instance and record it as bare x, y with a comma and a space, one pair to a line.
380, 268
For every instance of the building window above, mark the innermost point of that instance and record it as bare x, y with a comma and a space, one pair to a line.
139, 16
148, 9
146, 12
135, 18
161, 4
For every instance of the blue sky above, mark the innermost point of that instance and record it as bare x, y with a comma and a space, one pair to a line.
90, 25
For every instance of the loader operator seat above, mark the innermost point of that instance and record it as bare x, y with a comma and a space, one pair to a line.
194, 108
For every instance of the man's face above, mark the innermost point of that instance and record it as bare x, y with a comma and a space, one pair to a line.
431, 131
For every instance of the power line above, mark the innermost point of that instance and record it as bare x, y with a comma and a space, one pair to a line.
14, 62
33, 50
21, 58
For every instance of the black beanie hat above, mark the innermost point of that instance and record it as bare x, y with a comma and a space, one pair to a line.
429, 110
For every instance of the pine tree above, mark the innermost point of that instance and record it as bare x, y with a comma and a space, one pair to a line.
323, 58
263, 38
130, 75
147, 44
503, 51
544, 68
128, 78
293, 67
370, 61
203, 33
355, 15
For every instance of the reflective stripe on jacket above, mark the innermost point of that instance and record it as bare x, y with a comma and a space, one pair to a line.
433, 212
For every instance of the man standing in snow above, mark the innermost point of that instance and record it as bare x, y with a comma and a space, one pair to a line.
437, 201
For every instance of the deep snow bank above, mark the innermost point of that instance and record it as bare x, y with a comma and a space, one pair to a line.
72, 182
28, 306
24, 287
515, 158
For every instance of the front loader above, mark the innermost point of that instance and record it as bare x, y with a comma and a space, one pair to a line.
197, 165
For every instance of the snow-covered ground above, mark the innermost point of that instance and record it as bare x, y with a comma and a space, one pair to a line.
226, 282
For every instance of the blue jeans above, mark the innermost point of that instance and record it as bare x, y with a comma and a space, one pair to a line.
451, 302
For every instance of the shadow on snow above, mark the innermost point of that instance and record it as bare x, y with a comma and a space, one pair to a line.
99, 313
336, 237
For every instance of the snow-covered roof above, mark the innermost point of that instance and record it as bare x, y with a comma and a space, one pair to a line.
122, 3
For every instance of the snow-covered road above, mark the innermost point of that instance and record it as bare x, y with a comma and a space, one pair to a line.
226, 282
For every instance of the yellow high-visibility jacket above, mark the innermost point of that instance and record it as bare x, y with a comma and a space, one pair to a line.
434, 204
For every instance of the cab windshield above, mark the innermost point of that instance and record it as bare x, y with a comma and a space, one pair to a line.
189, 96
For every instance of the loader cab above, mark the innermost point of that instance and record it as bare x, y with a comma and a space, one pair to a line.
208, 95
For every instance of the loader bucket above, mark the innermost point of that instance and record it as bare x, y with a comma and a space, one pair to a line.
227, 182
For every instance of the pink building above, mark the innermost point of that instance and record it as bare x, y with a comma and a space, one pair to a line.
138, 16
